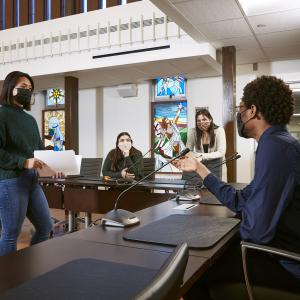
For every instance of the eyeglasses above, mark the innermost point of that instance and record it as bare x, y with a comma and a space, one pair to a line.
238, 108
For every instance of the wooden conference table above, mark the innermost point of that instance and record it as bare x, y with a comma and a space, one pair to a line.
106, 243
92, 195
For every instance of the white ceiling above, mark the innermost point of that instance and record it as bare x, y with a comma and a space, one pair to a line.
191, 67
235, 23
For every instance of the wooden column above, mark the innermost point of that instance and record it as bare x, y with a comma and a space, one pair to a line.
56, 9
110, 3
229, 92
92, 5
10, 14
71, 114
24, 12
40, 11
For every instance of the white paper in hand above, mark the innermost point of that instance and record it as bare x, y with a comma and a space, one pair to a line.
58, 161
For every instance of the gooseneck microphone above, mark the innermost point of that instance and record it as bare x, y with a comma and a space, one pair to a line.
124, 218
121, 181
187, 195
230, 158
139, 160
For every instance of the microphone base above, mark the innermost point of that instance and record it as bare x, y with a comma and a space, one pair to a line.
119, 218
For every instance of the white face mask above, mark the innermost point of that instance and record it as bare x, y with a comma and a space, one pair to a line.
124, 146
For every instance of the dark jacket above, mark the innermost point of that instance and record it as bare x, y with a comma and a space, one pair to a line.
134, 163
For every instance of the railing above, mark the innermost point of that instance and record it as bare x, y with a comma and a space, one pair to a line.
90, 37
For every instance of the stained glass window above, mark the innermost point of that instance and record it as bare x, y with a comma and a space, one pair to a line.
55, 97
54, 129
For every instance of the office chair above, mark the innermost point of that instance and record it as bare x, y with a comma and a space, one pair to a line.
242, 291
266, 292
166, 284
149, 166
90, 167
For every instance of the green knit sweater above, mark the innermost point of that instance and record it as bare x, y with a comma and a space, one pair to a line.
19, 137
134, 163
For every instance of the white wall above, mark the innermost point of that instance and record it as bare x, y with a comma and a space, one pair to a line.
126, 114
90, 122
205, 92
36, 109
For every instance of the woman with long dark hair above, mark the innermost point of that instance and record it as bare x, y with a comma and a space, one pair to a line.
20, 192
125, 161
207, 138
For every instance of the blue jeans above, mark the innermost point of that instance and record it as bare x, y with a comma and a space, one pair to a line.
21, 197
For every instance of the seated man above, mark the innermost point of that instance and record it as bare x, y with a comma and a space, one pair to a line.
270, 204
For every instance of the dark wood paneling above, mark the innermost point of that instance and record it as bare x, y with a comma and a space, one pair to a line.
1, 14
54, 196
24, 12
40, 11
229, 92
77, 7
93, 5
68, 7
56, 9
130, 1
91, 200
110, 3
71, 113
9, 14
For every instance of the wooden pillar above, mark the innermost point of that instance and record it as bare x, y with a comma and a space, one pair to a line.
229, 92
71, 114
93, 5
24, 12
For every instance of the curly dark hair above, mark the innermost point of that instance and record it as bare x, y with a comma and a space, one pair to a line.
272, 98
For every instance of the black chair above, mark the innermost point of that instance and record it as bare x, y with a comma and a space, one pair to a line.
240, 290
91, 167
149, 166
262, 292
212, 165
166, 284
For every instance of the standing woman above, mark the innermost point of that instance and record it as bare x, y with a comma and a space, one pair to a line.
124, 161
208, 139
20, 192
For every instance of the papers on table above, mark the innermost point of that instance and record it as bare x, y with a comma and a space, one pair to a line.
185, 206
58, 161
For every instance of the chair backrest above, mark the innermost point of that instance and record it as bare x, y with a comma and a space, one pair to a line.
149, 166
271, 250
91, 167
166, 284
212, 165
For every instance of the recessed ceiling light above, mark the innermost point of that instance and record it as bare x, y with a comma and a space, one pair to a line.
261, 25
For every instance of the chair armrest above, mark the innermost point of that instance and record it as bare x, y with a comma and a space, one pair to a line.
272, 250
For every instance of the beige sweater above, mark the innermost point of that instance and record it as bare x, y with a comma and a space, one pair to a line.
218, 150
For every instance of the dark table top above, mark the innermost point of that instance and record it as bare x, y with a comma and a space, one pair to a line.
114, 235
26, 264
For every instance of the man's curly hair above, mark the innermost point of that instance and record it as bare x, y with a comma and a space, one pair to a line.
272, 98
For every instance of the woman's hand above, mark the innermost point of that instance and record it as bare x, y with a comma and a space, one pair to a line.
59, 175
125, 174
33, 163
126, 152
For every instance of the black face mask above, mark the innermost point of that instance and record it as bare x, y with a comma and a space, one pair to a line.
23, 97
241, 126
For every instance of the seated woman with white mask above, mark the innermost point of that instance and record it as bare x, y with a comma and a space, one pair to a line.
124, 161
